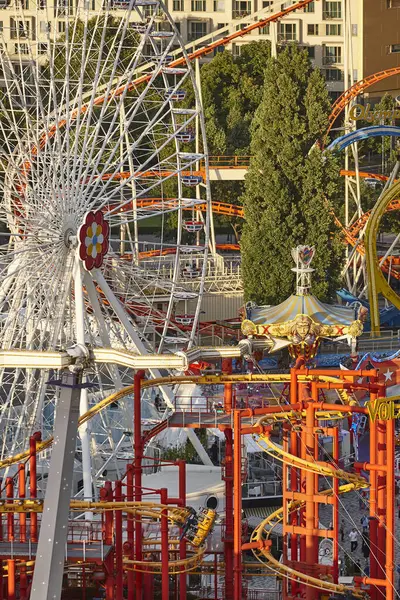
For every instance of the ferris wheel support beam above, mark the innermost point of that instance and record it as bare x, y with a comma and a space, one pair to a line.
140, 347
213, 246
50, 555
84, 404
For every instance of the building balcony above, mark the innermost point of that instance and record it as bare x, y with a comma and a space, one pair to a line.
332, 60
332, 15
240, 14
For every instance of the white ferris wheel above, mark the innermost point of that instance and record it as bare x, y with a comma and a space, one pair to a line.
102, 234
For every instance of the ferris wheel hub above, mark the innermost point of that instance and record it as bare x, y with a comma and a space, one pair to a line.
70, 238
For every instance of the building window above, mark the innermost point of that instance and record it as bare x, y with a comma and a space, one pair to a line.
310, 8
312, 29
267, 3
332, 9
19, 29
61, 26
178, 5
332, 55
311, 51
42, 48
60, 8
197, 29
393, 3
334, 75
241, 8
287, 32
198, 5
395, 48
219, 5
334, 29
45, 27
1, 26
265, 30
177, 27
21, 49
42, 4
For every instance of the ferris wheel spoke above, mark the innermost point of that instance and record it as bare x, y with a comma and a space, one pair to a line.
129, 117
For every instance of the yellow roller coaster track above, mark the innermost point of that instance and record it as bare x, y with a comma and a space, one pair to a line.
262, 533
377, 282
171, 380
149, 510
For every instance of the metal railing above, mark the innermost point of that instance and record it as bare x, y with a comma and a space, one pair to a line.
235, 162
255, 489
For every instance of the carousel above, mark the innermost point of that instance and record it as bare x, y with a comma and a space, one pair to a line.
302, 319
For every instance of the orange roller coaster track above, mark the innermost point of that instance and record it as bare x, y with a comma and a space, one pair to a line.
358, 88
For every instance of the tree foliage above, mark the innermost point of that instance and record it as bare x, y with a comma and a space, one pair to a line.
290, 184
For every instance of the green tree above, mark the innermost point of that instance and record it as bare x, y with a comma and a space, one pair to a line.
290, 184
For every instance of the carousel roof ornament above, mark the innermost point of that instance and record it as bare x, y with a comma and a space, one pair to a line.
302, 256
302, 319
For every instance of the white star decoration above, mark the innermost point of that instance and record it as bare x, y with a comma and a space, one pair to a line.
388, 375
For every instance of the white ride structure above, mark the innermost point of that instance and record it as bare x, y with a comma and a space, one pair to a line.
97, 172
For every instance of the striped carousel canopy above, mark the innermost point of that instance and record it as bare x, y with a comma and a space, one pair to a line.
320, 313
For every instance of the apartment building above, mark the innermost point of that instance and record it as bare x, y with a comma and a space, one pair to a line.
320, 28
359, 37
381, 43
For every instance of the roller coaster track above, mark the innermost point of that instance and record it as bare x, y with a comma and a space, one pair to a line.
129, 86
176, 516
171, 380
262, 533
355, 90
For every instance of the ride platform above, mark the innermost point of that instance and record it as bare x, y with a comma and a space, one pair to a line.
95, 551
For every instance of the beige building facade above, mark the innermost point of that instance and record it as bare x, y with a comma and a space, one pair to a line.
347, 39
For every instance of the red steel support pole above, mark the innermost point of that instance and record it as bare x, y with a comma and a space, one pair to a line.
164, 547
294, 479
381, 504
36, 437
11, 580
22, 494
119, 574
227, 397
108, 540
335, 508
390, 497
373, 524
130, 530
10, 516
228, 541
182, 543
285, 502
311, 593
138, 445
23, 583
237, 515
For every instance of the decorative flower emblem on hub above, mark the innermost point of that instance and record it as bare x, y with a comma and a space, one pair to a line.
93, 240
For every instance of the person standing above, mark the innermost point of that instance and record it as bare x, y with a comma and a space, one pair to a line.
157, 402
341, 531
365, 547
353, 536
365, 524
